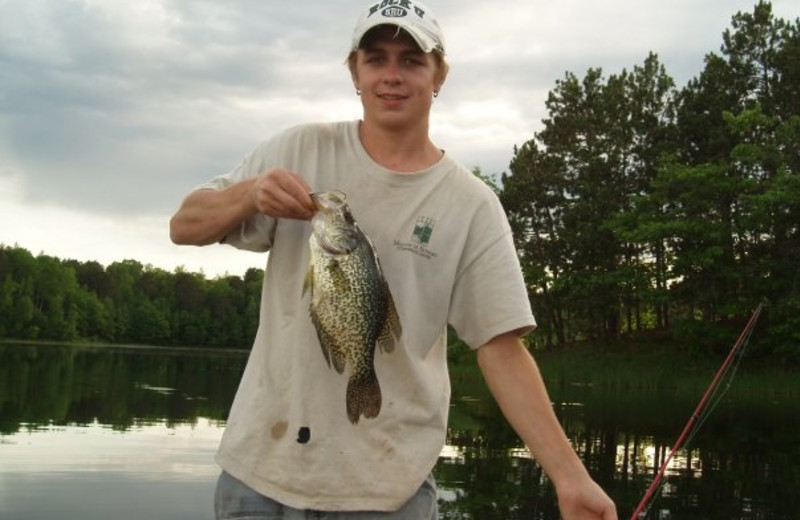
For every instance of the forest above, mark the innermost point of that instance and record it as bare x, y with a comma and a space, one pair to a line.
642, 212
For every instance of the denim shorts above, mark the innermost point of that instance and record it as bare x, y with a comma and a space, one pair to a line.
235, 500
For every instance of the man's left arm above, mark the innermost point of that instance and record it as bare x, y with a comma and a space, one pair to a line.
516, 383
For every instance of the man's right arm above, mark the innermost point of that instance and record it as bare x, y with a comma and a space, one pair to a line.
207, 215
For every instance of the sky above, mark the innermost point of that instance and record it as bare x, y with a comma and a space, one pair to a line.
111, 111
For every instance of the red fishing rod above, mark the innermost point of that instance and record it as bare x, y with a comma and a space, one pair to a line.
638, 513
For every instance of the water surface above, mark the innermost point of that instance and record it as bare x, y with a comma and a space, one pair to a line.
130, 433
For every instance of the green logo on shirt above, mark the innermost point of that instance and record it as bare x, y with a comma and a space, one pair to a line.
420, 237
423, 229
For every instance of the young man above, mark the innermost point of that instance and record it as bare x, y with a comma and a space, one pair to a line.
445, 246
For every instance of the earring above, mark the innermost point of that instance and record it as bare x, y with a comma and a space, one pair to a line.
358, 92
435, 93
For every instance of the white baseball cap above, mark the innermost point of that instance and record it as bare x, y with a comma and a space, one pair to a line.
413, 17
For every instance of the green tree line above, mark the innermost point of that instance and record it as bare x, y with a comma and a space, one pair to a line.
639, 209
45, 298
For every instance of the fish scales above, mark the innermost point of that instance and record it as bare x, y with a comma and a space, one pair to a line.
351, 305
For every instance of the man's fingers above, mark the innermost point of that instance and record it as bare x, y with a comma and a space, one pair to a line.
283, 194
300, 192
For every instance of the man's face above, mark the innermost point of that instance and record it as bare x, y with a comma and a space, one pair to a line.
396, 78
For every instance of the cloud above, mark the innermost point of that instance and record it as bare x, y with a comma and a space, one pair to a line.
109, 106
112, 111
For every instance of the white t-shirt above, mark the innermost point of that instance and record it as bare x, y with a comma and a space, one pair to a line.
448, 256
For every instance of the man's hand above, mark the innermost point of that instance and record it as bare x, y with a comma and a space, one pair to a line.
282, 194
585, 500
205, 216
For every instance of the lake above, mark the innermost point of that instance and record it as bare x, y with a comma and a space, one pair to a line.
124, 433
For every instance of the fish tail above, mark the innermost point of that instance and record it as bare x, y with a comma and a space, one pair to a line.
363, 396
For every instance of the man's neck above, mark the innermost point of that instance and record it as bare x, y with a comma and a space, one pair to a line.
399, 150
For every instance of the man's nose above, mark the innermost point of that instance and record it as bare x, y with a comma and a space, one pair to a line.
392, 73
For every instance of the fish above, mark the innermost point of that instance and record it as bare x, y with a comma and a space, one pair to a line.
351, 305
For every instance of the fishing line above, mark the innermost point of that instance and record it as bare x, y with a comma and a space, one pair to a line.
720, 390
715, 398
709, 401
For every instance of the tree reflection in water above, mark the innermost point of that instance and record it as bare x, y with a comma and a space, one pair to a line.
744, 463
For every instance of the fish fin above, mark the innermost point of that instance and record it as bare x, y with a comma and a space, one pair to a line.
393, 319
332, 354
385, 340
339, 359
325, 350
363, 396
392, 329
375, 258
338, 276
323, 339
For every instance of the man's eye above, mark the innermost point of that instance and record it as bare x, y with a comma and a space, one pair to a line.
414, 59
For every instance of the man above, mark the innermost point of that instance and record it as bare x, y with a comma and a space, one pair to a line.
289, 450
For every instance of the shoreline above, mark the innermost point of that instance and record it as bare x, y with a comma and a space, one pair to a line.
123, 346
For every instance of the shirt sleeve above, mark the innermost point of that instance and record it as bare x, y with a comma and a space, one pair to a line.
490, 296
257, 232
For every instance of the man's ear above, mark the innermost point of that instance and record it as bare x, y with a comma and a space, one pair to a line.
441, 76
351, 66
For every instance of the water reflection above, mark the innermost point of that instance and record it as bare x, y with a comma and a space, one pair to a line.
118, 387
177, 452
91, 432
94, 472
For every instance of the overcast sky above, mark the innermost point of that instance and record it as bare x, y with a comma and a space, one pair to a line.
112, 110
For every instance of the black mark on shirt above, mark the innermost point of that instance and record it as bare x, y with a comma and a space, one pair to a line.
304, 435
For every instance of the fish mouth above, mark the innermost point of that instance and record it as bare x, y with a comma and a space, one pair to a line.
329, 200
333, 225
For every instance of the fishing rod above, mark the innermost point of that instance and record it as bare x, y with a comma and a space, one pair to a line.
638, 514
